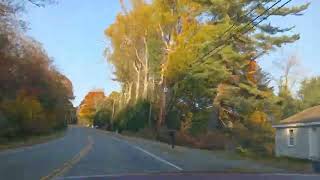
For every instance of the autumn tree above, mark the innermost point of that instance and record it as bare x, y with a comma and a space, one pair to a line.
34, 96
90, 105
199, 55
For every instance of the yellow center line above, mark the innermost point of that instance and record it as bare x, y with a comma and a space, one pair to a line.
69, 164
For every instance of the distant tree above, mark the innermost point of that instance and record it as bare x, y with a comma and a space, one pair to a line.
90, 105
310, 92
290, 74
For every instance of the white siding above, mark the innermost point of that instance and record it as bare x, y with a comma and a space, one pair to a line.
314, 143
300, 149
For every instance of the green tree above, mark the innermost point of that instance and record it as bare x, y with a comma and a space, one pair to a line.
309, 92
102, 119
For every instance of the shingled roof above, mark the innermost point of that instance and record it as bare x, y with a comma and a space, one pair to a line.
306, 116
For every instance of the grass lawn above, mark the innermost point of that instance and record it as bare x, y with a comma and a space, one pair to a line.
31, 140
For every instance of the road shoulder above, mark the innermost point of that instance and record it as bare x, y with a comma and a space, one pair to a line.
190, 158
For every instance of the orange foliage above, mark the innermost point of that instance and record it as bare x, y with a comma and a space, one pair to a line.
258, 118
89, 106
251, 71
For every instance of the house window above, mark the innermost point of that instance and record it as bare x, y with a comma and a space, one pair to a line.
291, 138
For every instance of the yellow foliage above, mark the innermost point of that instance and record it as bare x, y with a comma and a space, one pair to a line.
258, 118
28, 111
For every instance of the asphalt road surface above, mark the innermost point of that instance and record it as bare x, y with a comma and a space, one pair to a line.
86, 153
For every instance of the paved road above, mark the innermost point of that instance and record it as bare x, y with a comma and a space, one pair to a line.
85, 152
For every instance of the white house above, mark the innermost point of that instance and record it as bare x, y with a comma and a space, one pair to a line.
299, 135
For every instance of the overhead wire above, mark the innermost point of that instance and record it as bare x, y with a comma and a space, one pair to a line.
244, 15
219, 47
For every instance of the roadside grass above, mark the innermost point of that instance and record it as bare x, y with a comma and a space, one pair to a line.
293, 165
31, 140
289, 164
145, 134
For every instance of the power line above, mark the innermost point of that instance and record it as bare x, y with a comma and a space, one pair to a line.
278, 8
233, 25
219, 47
254, 25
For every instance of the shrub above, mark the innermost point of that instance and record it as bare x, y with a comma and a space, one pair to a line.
173, 119
200, 122
102, 118
185, 140
146, 133
213, 140
134, 118
259, 140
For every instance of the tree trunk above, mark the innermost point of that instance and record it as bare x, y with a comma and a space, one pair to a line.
125, 94
129, 92
137, 85
138, 66
120, 100
146, 70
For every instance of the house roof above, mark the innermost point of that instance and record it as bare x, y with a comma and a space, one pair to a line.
306, 116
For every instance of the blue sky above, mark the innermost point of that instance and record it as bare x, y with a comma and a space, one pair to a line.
72, 32
306, 48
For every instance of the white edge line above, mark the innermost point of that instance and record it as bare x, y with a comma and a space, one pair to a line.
158, 158
150, 154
